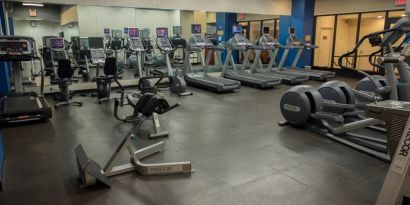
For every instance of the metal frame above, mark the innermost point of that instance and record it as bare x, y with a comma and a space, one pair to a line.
91, 172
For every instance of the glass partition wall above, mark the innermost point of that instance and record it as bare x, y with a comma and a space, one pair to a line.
338, 34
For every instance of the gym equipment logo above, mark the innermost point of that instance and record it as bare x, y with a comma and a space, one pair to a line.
402, 157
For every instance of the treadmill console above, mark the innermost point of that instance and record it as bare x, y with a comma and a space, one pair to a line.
17, 48
57, 47
97, 50
163, 40
137, 45
84, 45
267, 40
199, 41
240, 40
97, 55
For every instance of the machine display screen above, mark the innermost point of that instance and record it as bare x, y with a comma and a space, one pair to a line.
84, 43
57, 43
96, 42
116, 44
133, 32
198, 39
265, 30
137, 43
144, 33
196, 28
13, 46
237, 29
240, 39
292, 30
162, 32
177, 30
116, 33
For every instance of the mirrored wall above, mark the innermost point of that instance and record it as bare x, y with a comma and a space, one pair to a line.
71, 21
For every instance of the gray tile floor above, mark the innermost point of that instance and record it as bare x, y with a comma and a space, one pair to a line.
239, 154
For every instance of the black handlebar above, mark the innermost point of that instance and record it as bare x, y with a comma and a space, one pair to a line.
340, 61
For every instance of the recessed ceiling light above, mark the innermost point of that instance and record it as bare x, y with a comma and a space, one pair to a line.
380, 17
403, 15
33, 4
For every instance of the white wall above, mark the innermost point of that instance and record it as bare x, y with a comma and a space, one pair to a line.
349, 6
69, 32
44, 28
93, 19
272, 7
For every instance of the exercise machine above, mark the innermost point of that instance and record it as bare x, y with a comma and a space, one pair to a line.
82, 54
197, 43
178, 84
177, 60
115, 46
57, 51
146, 85
294, 43
241, 44
135, 52
304, 106
20, 106
90, 172
149, 48
395, 189
390, 60
97, 53
272, 46
65, 75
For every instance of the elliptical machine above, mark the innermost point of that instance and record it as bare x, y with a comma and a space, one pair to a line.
324, 111
177, 84
115, 46
135, 52
390, 60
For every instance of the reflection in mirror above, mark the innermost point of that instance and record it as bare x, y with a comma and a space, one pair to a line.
86, 35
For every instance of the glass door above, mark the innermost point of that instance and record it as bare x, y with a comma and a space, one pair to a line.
346, 37
369, 23
324, 41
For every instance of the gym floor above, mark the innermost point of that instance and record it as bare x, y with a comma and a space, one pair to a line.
239, 153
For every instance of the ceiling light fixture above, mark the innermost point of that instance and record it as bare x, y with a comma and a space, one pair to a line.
380, 17
33, 4
403, 15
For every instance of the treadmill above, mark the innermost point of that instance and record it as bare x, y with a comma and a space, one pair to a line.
196, 44
21, 106
241, 44
294, 43
267, 43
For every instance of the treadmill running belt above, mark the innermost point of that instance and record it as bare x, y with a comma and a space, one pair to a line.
220, 80
17, 105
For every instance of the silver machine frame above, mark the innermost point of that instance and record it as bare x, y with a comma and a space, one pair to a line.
91, 173
241, 44
266, 44
294, 43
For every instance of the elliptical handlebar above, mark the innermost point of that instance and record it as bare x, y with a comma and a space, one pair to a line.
375, 34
